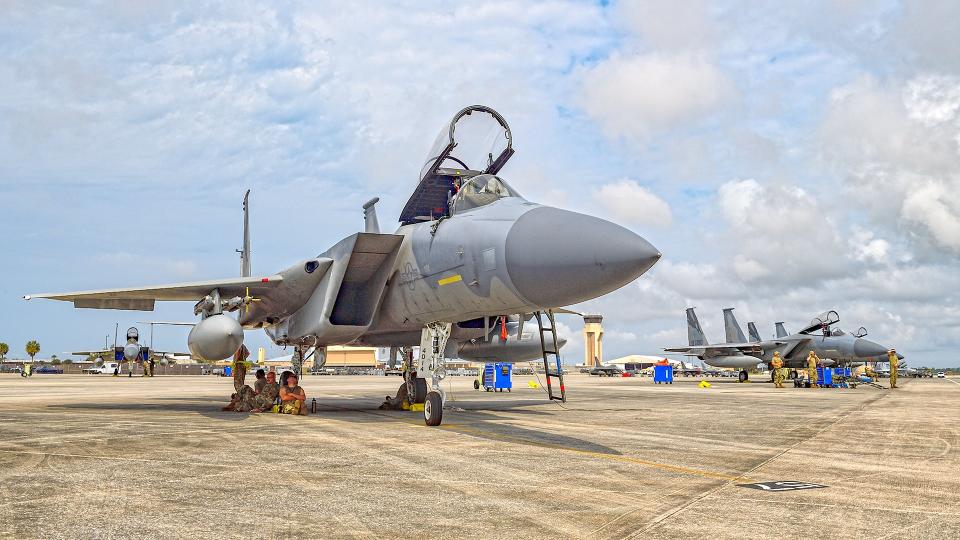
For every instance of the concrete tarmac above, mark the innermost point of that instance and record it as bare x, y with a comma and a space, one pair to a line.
103, 457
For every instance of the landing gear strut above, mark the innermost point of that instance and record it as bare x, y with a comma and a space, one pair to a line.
430, 364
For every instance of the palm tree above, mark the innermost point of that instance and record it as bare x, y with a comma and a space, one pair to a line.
33, 347
4, 349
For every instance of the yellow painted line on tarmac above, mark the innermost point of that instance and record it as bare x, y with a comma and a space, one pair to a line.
448, 280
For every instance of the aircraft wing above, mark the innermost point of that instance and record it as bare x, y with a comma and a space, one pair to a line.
142, 299
94, 353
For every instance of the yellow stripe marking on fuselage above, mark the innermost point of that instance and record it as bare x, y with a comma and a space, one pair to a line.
448, 280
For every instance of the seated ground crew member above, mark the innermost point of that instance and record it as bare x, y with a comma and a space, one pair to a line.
261, 381
292, 397
265, 399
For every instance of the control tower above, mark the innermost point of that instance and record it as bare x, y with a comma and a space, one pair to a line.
592, 340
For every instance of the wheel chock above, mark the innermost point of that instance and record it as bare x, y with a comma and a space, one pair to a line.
533, 384
416, 407
704, 384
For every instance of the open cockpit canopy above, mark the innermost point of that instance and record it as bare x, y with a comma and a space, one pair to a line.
824, 320
477, 141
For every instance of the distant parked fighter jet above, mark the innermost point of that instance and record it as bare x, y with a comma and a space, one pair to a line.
468, 251
833, 345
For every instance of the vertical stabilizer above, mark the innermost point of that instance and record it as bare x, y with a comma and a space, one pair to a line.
695, 335
781, 331
732, 327
753, 333
245, 252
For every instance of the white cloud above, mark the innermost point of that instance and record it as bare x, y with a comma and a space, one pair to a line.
897, 146
938, 210
678, 24
631, 203
639, 95
932, 99
780, 233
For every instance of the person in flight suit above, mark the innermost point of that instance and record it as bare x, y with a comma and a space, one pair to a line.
812, 369
894, 364
777, 365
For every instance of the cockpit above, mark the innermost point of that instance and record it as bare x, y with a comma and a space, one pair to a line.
459, 173
478, 191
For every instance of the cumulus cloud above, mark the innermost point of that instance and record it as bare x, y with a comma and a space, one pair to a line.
780, 233
674, 25
897, 146
635, 96
631, 203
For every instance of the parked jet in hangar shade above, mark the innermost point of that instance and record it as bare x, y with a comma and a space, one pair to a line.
832, 345
469, 249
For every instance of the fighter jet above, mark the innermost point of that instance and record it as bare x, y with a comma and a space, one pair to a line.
132, 351
833, 345
469, 249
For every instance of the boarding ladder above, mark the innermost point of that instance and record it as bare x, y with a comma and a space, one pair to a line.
551, 355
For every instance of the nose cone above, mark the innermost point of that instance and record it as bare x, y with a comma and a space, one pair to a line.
864, 348
556, 258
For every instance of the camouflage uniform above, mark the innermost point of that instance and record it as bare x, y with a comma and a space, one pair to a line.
894, 361
777, 365
292, 407
812, 369
265, 399
245, 399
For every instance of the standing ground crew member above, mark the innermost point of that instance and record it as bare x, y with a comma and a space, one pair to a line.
777, 365
894, 361
812, 368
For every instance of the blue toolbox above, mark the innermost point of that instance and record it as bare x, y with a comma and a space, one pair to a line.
663, 374
498, 376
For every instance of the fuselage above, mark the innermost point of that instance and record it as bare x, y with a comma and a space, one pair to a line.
508, 256
833, 349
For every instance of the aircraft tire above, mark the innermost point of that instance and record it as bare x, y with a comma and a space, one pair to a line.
476, 384
743, 376
433, 409
419, 393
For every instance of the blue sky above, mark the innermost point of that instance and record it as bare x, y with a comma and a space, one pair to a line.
787, 159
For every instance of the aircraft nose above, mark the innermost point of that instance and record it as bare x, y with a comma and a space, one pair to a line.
864, 348
556, 257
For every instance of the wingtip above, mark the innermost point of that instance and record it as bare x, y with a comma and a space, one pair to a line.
27, 297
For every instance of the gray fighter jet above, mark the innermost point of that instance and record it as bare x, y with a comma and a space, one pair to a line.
832, 345
469, 249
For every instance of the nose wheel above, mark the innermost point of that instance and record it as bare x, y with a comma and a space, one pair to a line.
433, 409
743, 376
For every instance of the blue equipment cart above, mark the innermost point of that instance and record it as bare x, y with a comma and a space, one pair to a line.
498, 376
663, 374
825, 377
